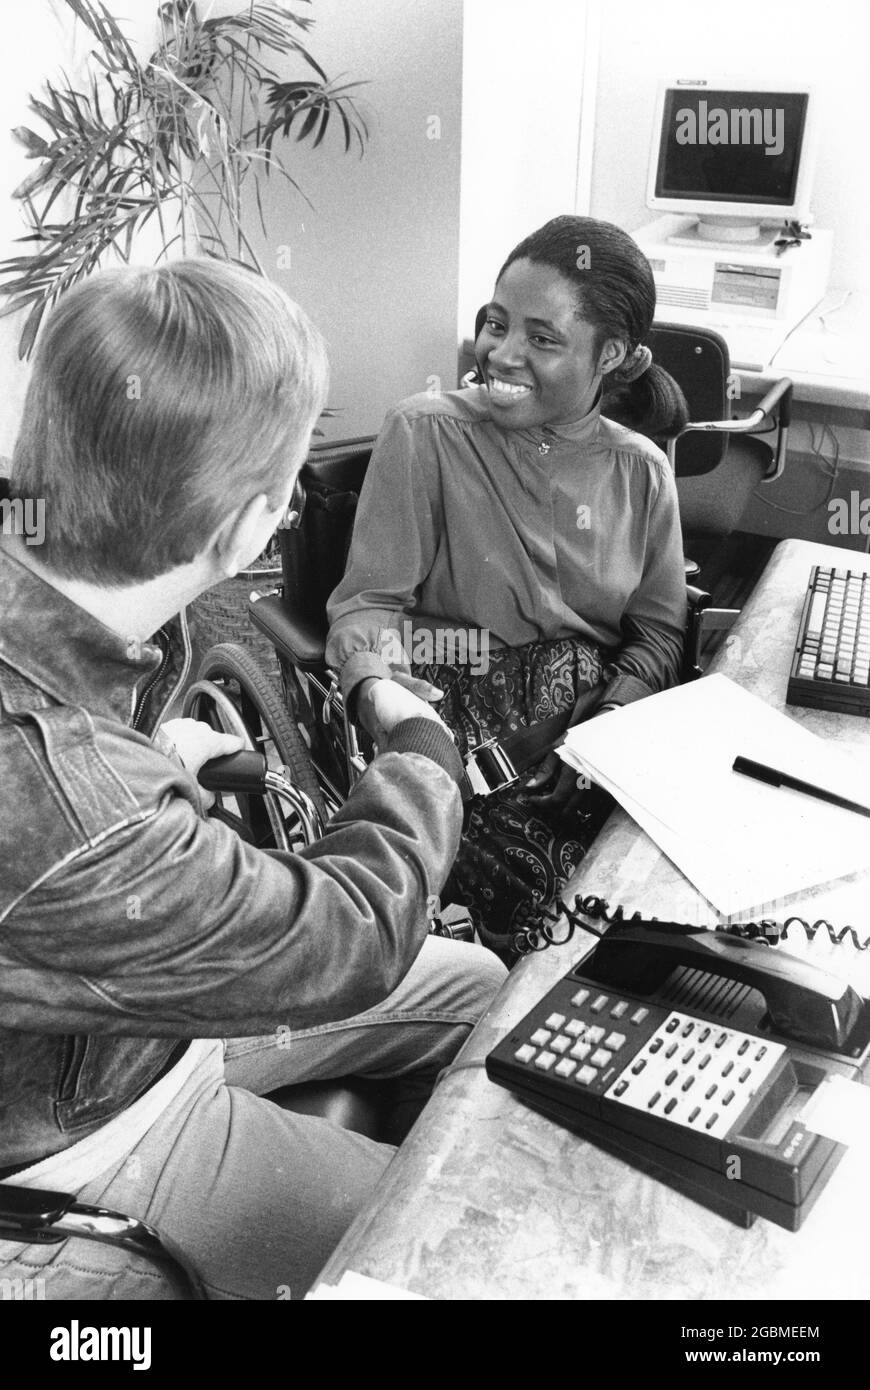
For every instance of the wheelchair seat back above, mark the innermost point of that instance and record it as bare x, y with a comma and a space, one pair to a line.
314, 556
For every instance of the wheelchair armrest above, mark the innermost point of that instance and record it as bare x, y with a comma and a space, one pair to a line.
299, 640
34, 1216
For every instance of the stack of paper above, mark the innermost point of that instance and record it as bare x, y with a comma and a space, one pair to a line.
668, 761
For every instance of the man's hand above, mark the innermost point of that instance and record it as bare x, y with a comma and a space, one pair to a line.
382, 704
196, 742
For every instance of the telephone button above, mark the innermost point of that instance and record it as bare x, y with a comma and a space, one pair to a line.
565, 1067
575, 1028
712, 1120
638, 1066
586, 1075
760, 1053
669, 1051
545, 1060
581, 1051
694, 1115
615, 1041
620, 1088
702, 1037
601, 1058
619, 1010
599, 1004
524, 1053
688, 1083
711, 1091
639, 1015
653, 1100
579, 998
689, 1028
728, 1068
743, 1048
727, 1098
722, 1040
671, 1105
555, 1021
746, 1073
655, 1045
541, 1037
671, 1076
705, 1060
687, 1056
560, 1044
673, 1024
594, 1035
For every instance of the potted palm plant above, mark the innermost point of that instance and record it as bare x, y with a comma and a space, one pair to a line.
170, 143
171, 140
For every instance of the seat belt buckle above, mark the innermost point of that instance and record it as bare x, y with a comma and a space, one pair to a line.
489, 769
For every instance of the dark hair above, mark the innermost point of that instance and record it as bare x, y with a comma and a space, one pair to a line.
616, 294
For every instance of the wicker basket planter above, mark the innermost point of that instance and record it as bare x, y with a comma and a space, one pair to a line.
221, 615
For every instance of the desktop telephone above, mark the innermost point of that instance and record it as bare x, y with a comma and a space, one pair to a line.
693, 1053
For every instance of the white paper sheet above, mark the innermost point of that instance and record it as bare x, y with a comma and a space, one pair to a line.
668, 760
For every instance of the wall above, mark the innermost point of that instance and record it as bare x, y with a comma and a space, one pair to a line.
527, 87
375, 260
829, 45
39, 40
374, 257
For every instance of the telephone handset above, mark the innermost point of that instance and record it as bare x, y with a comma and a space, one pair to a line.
694, 1053
804, 1001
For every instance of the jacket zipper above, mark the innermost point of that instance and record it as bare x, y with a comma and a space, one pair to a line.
164, 662
185, 667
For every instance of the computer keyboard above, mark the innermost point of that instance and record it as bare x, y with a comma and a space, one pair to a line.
830, 668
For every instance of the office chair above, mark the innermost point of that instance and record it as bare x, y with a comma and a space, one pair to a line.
718, 459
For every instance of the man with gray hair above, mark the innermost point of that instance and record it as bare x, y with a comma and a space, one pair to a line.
168, 414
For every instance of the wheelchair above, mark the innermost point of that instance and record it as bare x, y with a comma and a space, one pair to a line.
305, 725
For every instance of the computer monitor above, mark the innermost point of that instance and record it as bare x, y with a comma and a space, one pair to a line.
733, 153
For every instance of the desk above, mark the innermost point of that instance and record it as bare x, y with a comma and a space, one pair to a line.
827, 357
488, 1200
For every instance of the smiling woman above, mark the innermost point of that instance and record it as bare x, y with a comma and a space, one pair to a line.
519, 511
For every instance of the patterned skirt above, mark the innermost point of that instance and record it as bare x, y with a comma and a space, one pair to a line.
515, 856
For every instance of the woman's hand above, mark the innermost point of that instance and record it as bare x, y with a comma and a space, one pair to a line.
196, 742
558, 786
418, 687
382, 704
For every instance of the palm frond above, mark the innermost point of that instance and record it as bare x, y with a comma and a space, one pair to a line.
180, 132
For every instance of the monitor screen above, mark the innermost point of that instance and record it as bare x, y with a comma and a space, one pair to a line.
730, 146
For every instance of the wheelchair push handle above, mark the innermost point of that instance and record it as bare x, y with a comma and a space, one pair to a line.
234, 772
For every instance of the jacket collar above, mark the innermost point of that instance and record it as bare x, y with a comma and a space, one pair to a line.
76, 660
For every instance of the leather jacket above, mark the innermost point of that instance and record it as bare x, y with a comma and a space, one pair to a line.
130, 922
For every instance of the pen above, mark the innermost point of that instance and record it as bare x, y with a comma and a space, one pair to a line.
762, 773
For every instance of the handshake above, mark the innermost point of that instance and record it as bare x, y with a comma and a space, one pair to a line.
382, 704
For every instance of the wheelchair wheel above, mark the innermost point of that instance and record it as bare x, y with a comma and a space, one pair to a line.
270, 728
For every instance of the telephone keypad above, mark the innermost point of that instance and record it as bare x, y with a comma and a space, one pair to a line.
655, 1069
